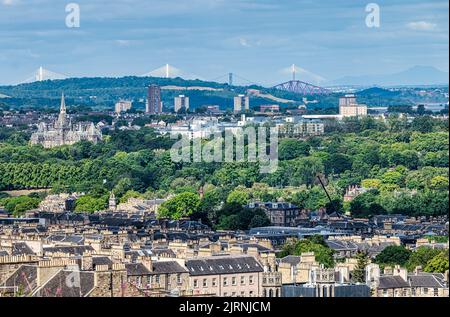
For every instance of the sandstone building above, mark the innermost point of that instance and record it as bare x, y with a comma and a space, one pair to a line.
64, 132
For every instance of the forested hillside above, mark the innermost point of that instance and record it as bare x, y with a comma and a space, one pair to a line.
404, 164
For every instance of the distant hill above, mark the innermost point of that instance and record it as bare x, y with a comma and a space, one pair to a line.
378, 92
417, 75
101, 94
104, 92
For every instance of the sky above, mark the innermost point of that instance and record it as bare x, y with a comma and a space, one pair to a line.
255, 39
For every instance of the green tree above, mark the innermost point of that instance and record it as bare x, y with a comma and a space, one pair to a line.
421, 257
182, 205
393, 255
423, 124
359, 273
290, 149
88, 203
238, 196
438, 264
322, 253
20, 204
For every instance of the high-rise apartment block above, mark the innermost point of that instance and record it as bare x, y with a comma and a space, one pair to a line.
349, 107
122, 106
181, 102
154, 103
241, 103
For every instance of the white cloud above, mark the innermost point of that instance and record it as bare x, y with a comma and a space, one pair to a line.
123, 42
9, 2
244, 42
422, 26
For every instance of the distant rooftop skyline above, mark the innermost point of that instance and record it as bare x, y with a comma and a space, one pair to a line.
255, 39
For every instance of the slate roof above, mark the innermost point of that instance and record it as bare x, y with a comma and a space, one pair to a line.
21, 248
66, 238
223, 265
160, 252
3, 253
67, 283
102, 260
338, 245
25, 278
392, 282
136, 269
32, 230
425, 280
134, 254
291, 259
168, 267
260, 248
71, 217
430, 280
75, 250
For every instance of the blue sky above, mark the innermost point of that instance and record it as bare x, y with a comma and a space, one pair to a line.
255, 39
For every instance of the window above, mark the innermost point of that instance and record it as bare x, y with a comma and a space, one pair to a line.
225, 294
250, 279
250, 293
195, 283
179, 281
242, 280
225, 282
425, 290
242, 294
413, 292
233, 294
157, 279
205, 282
233, 280
385, 292
214, 282
436, 292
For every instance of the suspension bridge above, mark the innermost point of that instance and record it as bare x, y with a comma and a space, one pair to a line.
168, 71
42, 74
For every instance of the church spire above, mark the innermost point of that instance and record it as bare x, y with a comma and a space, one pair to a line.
63, 105
62, 112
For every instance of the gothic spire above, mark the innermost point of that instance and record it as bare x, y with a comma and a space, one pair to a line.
63, 104
62, 112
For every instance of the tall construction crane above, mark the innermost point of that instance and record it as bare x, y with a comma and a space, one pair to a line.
319, 177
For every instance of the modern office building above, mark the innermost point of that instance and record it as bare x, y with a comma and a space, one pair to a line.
241, 103
154, 103
181, 102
